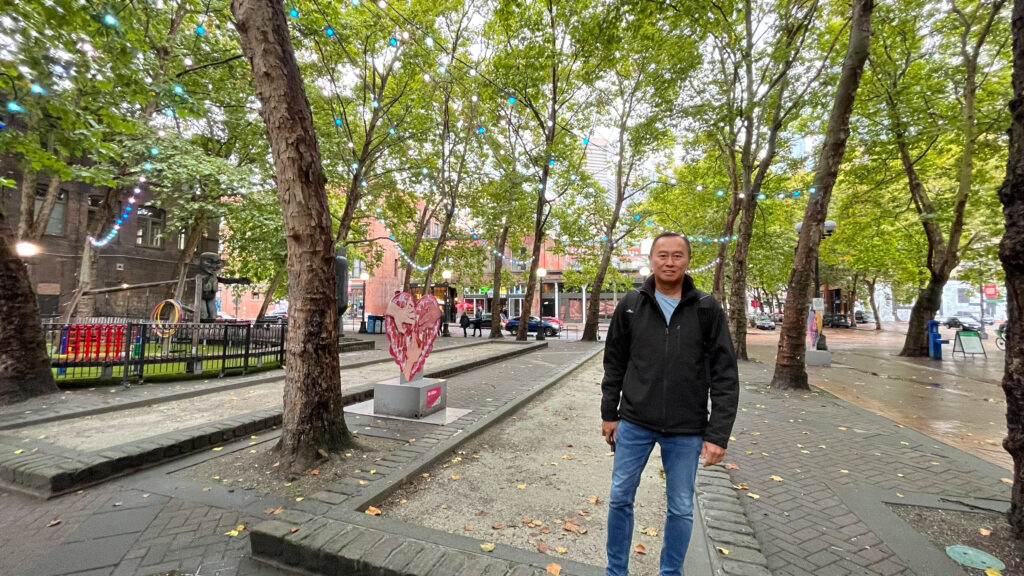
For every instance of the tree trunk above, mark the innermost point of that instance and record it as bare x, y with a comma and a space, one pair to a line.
738, 286
425, 215
496, 285
435, 259
790, 370
28, 203
874, 305
42, 219
1011, 253
24, 363
540, 218
195, 235
269, 296
85, 304
929, 300
313, 415
718, 288
590, 326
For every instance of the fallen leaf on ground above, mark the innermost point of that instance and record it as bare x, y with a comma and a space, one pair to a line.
487, 546
842, 427
240, 527
561, 549
651, 531
373, 511
553, 568
496, 527
731, 466
295, 529
218, 448
231, 533
993, 572
584, 512
455, 476
741, 486
545, 530
145, 495
844, 471
640, 549
754, 496
776, 478
314, 472
207, 489
364, 482
573, 527
984, 531
116, 504
521, 486
275, 464
526, 520
723, 551
542, 547
594, 500
469, 528
53, 523
1007, 480
299, 499
18, 451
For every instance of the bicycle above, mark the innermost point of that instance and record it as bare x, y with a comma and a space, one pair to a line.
1001, 337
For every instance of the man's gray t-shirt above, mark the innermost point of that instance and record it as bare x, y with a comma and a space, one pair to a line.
668, 305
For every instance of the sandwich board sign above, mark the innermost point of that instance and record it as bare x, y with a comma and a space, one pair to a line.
968, 342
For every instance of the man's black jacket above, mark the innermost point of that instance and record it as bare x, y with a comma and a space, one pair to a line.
658, 370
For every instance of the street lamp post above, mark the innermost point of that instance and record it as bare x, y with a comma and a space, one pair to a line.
541, 273
362, 323
447, 275
644, 273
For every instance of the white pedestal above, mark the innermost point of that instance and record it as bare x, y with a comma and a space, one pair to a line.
818, 357
415, 399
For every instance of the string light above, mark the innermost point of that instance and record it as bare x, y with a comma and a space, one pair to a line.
705, 267
125, 212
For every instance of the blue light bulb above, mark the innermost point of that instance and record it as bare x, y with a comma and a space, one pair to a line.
637, 217
13, 106
153, 150
480, 129
393, 41
168, 112
511, 99
761, 196
551, 162
720, 193
200, 30
147, 166
178, 89
110, 20
391, 131
586, 141
330, 32
337, 121
127, 209
37, 89
812, 190
293, 13
796, 193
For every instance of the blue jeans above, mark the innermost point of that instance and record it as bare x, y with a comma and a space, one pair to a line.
679, 454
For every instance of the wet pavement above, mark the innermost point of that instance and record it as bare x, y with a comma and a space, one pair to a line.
957, 401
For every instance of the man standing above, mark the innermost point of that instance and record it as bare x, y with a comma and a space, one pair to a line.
668, 350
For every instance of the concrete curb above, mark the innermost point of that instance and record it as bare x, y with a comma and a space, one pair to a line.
727, 526
331, 532
52, 471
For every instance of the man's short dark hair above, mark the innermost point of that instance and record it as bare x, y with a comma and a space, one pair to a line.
686, 241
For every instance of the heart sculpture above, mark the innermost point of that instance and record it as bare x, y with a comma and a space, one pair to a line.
411, 328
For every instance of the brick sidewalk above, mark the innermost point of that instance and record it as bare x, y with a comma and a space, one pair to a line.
150, 523
823, 448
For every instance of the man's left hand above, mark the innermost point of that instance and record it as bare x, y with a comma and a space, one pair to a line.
712, 454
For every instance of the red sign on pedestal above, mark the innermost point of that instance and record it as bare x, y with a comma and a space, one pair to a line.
991, 291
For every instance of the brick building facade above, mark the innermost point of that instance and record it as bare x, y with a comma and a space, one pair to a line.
145, 250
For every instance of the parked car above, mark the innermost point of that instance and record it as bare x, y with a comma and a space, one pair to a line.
987, 320
554, 321
275, 317
535, 324
836, 321
863, 317
777, 317
962, 323
485, 320
765, 323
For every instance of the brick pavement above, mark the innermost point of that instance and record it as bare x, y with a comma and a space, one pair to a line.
820, 445
144, 525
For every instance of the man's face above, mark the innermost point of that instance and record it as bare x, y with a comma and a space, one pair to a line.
669, 259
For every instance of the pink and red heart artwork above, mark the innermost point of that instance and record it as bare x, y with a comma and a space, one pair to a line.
411, 328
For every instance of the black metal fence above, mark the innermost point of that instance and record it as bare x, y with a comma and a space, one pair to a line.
135, 352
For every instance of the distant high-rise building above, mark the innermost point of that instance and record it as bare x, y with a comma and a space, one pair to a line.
600, 164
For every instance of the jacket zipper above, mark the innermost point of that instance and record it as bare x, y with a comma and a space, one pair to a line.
664, 384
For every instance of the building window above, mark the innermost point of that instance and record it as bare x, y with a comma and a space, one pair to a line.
150, 231
396, 268
255, 296
963, 295
55, 225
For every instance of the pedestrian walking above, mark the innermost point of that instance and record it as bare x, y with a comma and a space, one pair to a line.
464, 322
478, 322
667, 351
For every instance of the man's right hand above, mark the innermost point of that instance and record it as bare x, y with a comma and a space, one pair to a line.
608, 430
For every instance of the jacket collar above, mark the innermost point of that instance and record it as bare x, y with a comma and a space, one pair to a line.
689, 288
